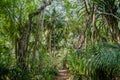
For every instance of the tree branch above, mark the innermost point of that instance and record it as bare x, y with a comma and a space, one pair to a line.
110, 14
87, 7
39, 10
31, 15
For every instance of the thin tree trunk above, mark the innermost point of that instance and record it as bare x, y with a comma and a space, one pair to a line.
93, 29
50, 44
87, 21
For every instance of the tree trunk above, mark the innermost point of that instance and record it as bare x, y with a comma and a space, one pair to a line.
21, 46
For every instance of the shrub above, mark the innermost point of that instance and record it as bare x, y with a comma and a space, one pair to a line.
102, 61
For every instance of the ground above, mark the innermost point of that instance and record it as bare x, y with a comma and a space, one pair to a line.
63, 75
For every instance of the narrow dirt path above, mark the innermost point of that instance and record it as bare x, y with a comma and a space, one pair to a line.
63, 75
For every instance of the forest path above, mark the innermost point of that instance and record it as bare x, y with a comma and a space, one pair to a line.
63, 75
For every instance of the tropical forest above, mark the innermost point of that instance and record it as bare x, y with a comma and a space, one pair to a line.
59, 39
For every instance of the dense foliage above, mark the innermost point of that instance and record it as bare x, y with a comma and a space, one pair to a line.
39, 37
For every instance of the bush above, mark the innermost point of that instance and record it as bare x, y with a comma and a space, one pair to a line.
98, 62
4, 71
102, 61
75, 64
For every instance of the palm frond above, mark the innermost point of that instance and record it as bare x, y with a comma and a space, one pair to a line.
105, 63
